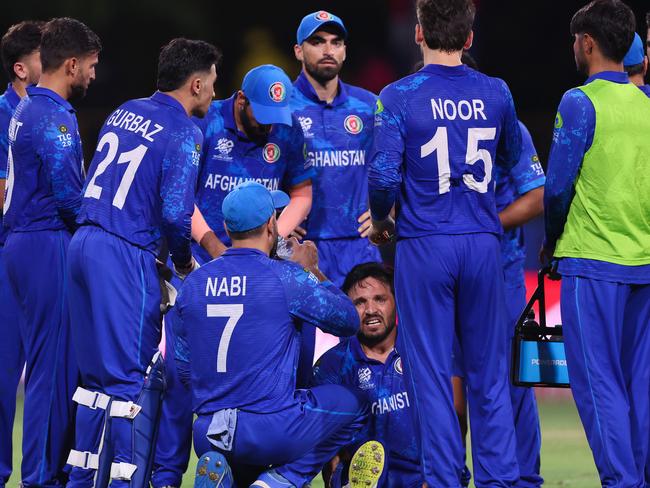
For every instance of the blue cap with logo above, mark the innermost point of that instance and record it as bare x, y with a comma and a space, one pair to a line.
635, 54
250, 204
315, 21
268, 89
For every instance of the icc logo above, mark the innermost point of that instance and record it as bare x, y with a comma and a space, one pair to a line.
225, 145
277, 92
305, 123
353, 124
271, 153
323, 16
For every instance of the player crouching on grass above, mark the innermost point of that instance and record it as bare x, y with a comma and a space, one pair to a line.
237, 345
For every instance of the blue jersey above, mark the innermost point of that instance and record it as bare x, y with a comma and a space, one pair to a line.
575, 125
230, 158
8, 103
45, 164
645, 89
338, 137
527, 175
438, 134
392, 420
142, 178
238, 332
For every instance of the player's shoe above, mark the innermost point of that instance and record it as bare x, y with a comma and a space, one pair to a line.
367, 465
213, 471
272, 479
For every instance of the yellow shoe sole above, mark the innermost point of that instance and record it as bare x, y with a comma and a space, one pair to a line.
367, 465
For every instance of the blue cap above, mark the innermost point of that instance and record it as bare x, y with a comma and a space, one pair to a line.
635, 54
249, 205
315, 21
268, 89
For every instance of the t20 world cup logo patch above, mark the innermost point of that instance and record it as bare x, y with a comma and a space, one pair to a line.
277, 92
271, 153
323, 16
353, 124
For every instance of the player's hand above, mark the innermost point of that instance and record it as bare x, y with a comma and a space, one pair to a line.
366, 224
382, 231
183, 271
305, 254
299, 233
545, 255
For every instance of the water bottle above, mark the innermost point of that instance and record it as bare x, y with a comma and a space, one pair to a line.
284, 250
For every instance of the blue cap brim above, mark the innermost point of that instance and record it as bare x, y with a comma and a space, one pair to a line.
323, 24
271, 115
280, 198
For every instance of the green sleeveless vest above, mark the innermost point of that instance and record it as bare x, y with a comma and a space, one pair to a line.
609, 217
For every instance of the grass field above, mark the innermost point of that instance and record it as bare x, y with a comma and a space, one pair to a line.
566, 459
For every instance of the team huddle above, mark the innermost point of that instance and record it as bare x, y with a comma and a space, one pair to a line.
293, 214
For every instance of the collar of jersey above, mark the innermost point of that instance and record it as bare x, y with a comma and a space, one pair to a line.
613, 76
46, 92
440, 69
357, 351
167, 100
306, 88
240, 251
228, 115
12, 97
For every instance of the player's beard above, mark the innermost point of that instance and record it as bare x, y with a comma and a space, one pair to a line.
77, 91
256, 133
377, 337
274, 249
323, 73
581, 62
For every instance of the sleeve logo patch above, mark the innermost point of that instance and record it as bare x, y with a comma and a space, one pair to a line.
63, 129
379, 107
558, 121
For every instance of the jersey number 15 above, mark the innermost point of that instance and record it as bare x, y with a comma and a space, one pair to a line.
440, 143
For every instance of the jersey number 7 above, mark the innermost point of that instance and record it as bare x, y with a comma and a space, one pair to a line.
234, 312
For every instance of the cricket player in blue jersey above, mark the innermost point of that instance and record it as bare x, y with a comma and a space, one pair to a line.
237, 343
438, 135
42, 199
635, 63
596, 203
519, 199
370, 363
140, 190
336, 120
21, 59
252, 136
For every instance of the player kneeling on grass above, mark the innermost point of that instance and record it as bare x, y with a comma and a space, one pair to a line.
370, 363
237, 344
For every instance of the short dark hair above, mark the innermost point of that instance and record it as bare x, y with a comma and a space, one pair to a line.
65, 38
635, 69
247, 234
446, 24
610, 22
647, 20
20, 40
180, 58
368, 270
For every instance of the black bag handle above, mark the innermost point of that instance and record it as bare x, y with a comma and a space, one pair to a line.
539, 295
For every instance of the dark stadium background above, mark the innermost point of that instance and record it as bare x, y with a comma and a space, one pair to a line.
527, 43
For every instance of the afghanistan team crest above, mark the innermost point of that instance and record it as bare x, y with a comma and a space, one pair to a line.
323, 16
277, 92
353, 124
398, 366
271, 153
